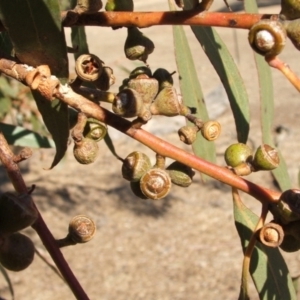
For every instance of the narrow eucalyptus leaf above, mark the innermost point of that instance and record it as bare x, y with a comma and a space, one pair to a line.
79, 41
267, 107
191, 90
222, 61
5, 44
5, 106
56, 118
35, 30
19, 136
37, 37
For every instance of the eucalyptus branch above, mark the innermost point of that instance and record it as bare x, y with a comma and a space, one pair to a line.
8, 160
147, 19
71, 18
49, 86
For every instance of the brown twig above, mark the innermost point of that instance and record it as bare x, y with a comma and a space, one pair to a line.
284, 68
147, 19
8, 160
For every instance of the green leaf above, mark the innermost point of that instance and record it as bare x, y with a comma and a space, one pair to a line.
281, 174
38, 38
79, 41
19, 136
296, 283
9, 283
78, 37
35, 31
267, 268
229, 75
55, 116
191, 90
267, 107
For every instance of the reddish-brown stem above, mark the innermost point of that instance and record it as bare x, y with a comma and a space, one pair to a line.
278, 64
13, 171
146, 19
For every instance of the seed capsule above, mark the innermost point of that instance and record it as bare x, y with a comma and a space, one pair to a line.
82, 229
211, 130
271, 235
135, 165
137, 45
266, 158
188, 134
88, 67
145, 86
129, 103
267, 38
180, 174
86, 151
168, 104
156, 184
17, 212
290, 9
164, 78
288, 208
16, 252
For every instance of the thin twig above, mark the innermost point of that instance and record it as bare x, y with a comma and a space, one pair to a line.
284, 68
147, 19
250, 247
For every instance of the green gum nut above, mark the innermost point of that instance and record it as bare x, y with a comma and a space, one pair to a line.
290, 9
237, 154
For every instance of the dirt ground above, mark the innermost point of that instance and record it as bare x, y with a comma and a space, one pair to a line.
182, 247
